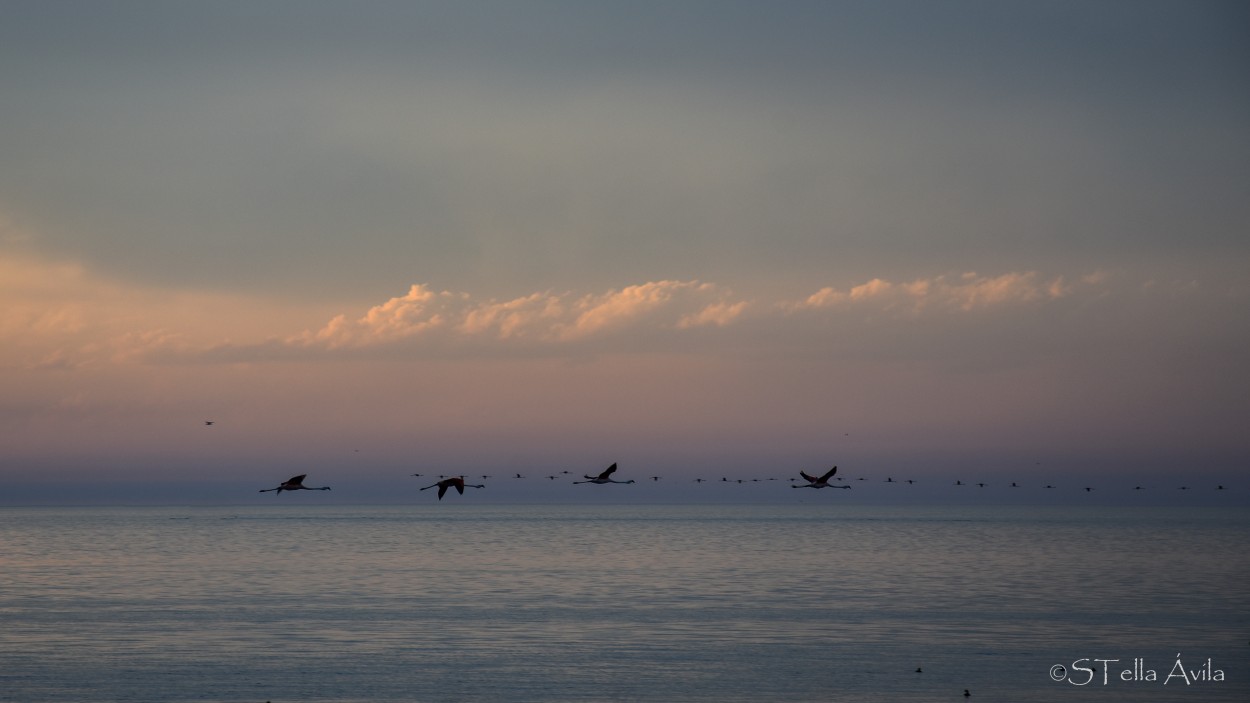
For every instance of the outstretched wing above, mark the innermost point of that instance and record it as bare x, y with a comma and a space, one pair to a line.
829, 475
608, 471
806, 477
297, 479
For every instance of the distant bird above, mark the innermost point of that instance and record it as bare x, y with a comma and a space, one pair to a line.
416, 474
295, 484
208, 422
519, 476
655, 478
456, 482
966, 693
889, 480
1088, 489
958, 482
1013, 485
605, 477
981, 485
822, 482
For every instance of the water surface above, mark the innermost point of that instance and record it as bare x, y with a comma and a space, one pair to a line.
620, 603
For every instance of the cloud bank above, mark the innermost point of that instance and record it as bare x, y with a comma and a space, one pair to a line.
64, 317
542, 317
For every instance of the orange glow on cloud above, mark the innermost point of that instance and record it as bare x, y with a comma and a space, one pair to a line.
60, 315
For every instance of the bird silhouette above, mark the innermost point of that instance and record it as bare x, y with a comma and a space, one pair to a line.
295, 483
822, 482
605, 477
456, 482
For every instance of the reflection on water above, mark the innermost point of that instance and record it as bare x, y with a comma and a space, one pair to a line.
559, 603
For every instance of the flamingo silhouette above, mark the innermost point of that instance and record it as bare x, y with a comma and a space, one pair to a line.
605, 477
456, 482
822, 482
295, 483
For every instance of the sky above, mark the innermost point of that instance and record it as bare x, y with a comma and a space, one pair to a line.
989, 241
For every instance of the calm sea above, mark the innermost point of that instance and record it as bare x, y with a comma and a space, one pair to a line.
460, 602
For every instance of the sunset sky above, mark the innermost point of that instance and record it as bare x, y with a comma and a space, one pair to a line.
990, 240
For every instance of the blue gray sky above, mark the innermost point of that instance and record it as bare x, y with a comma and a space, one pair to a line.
692, 237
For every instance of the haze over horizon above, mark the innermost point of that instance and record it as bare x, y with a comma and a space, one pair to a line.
994, 241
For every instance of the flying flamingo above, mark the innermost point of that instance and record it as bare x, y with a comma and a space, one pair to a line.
456, 482
822, 482
605, 477
295, 484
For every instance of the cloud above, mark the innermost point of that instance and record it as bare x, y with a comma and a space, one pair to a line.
59, 315
966, 292
717, 314
62, 316
666, 304
544, 317
418, 311
513, 319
